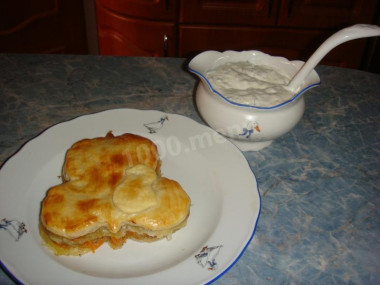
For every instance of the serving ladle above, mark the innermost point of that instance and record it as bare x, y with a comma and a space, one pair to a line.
344, 35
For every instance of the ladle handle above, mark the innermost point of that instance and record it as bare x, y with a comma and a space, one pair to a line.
344, 35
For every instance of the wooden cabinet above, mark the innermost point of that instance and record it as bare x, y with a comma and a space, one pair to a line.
269, 40
184, 28
137, 28
325, 14
165, 10
42, 26
228, 12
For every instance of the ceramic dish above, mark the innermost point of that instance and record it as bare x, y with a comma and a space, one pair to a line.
224, 212
249, 127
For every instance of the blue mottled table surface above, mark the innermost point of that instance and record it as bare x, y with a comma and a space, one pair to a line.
319, 184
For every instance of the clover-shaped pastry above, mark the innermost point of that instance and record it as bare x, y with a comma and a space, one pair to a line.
112, 190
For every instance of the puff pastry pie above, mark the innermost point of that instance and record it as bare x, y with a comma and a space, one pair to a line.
112, 191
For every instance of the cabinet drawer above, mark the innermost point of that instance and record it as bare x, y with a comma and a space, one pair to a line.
228, 12
326, 13
290, 43
120, 35
146, 9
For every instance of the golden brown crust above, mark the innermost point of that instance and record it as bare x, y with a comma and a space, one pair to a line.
173, 207
104, 160
113, 183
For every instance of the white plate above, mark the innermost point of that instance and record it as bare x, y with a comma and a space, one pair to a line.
224, 211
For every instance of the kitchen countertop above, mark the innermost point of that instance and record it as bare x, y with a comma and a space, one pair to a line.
319, 184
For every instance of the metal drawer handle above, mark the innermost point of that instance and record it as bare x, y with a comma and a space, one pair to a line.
166, 45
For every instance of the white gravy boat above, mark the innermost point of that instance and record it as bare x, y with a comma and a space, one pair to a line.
252, 128
249, 127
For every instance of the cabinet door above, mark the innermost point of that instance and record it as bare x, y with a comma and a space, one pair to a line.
228, 12
326, 13
293, 44
147, 9
42, 26
121, 35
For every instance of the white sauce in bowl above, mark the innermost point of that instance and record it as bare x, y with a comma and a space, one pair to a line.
249, 84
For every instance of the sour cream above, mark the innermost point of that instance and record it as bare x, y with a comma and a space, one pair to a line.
246, 83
